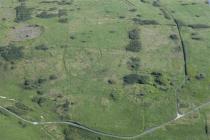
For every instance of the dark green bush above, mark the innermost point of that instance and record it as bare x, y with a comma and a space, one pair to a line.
65, 2
33, 84
44, 14
200, 76
21, 0
158, 78
145, 22
135, 78
53, 77
143, 1
39, 100
133, 34
16, 110
198, 26
23, 13
21, 106
63, 20
156, 74
11, 52
62, 12
196, 38
22, 124
173, 36
134, 63
41, 47
165, 14
132, 10
111, 81
156, 3
134, 46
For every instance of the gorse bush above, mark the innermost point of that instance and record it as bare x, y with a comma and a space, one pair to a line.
62, 12
133, 34
39, 100
197, 26
145, 22
165, 14
173, 37
41, 47
156, 3
44, 14
23, 13
63, 20
134, 63
134, 46
135, 78
33, 84
11, 52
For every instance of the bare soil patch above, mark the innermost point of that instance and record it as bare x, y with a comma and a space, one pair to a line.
25, 32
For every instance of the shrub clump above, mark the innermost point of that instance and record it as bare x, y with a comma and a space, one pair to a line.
19, 108
33, 84
158, 78
134, 63
41, 47
200, 76
165, 14
62, 12
135, 78
11, 52
23, 13
156, 3
173, 37
39, 100
134, 46
44, 14
198, 26
133, 34
22, 106
145, 22
63, 20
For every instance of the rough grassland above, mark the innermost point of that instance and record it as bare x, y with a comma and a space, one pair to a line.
76, 68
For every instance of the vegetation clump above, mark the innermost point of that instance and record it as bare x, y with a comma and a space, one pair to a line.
63, 20
39, 100
42, 47
135, 78
19, 108
133, 10
156, 3
134, 63
11, 52
199, 26
173, 37
23, 13
44, 14
159, 79
145, 22
200, 76
33, 84
133, 34
165, 14
134, 46
65, 2
22, 106
62, 12
53, 77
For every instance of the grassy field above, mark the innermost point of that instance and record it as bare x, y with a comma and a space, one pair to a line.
70, 60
